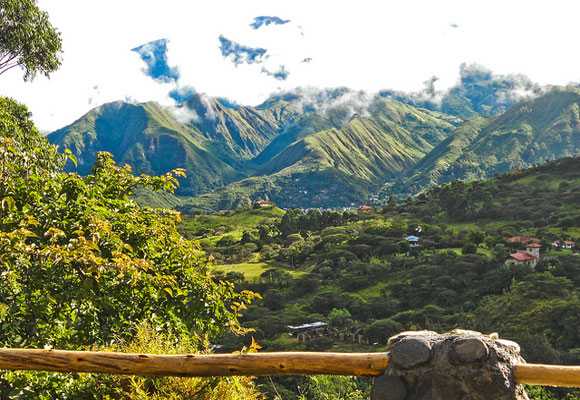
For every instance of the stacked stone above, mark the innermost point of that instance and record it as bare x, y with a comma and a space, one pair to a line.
459, 365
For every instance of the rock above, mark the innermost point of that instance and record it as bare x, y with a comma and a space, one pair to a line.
464, 332
388, 387
469, 349
459, 365
422, 334
508, 343
411, 351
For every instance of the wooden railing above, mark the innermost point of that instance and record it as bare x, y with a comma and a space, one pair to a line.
252, 364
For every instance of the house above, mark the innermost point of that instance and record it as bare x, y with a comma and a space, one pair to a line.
263, 204
365, 208
564, 244
522, 240
522, 258
307, 332
413, 240
529, 257
534, 249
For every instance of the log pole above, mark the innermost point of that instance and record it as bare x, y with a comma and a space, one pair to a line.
249, 364
547, 375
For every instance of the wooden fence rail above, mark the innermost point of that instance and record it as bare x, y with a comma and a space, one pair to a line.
253, 364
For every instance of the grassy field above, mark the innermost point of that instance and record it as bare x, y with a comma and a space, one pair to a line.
251, 271
212, 227
232, 219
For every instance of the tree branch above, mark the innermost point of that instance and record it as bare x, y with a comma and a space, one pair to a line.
4, 60
8, 68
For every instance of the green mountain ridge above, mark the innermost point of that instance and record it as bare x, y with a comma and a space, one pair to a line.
245, 131
324, 152
431, 169
147, 137
532, 132
339, 166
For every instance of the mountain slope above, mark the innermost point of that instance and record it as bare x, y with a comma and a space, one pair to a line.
147, 137
323, 148
286, 135
338, 166
415, 127
303, 126
543, 196
371, 148
360, 149
244, 131
432, 169
532, 132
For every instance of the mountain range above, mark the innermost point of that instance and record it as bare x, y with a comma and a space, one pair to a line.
335, 147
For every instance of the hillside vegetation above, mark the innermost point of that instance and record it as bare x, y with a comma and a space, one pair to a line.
356, 271
530, 133
150, 139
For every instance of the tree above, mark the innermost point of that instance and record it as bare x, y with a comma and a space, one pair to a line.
381, 330
340, 318
477, 237
83, 265
334, 388
27, 39
469, 248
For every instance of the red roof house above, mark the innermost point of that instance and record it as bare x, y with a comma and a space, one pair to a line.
522, 240
523, 258
365, 208
263, 204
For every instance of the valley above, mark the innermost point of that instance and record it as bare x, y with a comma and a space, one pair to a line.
437, 261
224, 201
354, 222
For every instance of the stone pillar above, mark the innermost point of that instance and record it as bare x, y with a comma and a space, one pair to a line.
459, 365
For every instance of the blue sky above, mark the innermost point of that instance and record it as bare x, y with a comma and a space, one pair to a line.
366, 45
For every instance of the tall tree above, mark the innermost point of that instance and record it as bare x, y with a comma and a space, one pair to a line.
27, 39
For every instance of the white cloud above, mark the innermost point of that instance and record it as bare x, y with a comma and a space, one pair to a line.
365, 45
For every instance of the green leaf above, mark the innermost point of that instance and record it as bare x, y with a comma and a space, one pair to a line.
8, 204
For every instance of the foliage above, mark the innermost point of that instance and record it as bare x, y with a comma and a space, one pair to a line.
535, 196
359, 275
83, 264
327, 387
27, 39
48, 386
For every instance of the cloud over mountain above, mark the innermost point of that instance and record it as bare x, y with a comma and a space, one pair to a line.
154, 54
240, 54
281, 73
265, 21
370, 46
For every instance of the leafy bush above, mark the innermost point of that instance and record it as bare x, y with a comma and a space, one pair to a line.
48, 386
83, 264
